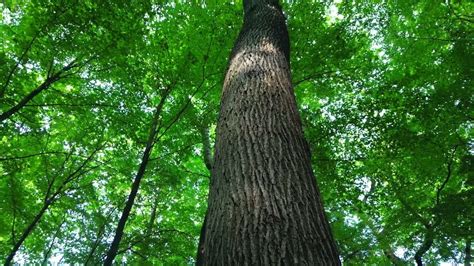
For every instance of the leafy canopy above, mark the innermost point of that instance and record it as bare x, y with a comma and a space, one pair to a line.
384, 89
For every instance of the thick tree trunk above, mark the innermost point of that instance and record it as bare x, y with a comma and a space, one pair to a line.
264, 204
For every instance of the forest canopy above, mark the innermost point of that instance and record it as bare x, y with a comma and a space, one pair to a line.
94, 94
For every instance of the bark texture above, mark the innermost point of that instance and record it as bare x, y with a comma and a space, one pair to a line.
264, 203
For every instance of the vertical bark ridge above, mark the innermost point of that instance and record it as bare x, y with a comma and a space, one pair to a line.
264, 204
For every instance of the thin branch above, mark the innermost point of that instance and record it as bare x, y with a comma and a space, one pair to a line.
29, 46
48, 251
413, 211
313, 76
425, 246
174, 152
69, 105
46, 204
448, 175
45, 85
31, 155
99, 237
196, 173
434, 39
14, 68
53, 179
181, 111
137, 241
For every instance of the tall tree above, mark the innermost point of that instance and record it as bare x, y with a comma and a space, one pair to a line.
114, 247
264, 203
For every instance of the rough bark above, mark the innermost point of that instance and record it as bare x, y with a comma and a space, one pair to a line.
264, 204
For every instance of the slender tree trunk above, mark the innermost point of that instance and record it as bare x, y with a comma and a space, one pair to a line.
114, 247
51, 245
467, 255
145, 247
48, 201
128, 207
27, 232
264, 204
427, 243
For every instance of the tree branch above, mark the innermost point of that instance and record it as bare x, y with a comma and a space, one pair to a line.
45, 85
31, 155
448, 175
427, 243
12, 71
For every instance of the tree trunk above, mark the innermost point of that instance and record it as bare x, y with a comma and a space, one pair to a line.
27, 232
47, 253
427, 243
114, 247
467, 256
145, 245
264, 203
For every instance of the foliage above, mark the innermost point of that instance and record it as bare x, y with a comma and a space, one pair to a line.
384, 89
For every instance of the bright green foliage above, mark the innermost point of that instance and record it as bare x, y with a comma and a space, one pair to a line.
384, 89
